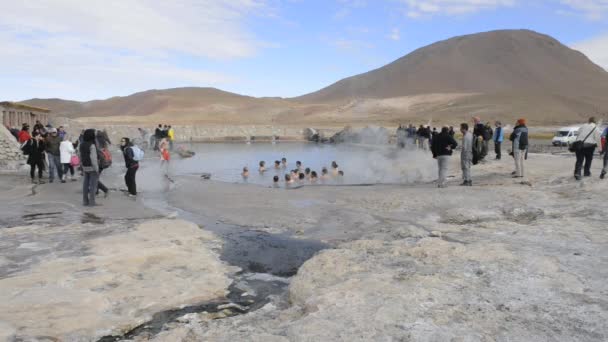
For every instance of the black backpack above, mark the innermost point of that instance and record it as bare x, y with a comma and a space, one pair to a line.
26, 147
487, 133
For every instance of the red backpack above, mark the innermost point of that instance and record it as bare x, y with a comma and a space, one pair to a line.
105, 158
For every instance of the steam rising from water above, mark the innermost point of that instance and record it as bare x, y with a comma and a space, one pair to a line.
361, 163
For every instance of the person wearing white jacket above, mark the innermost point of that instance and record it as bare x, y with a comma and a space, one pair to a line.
66, 151
589, 137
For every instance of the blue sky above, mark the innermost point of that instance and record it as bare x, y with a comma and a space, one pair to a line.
85, 50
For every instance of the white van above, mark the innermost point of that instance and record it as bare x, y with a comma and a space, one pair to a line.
565, 136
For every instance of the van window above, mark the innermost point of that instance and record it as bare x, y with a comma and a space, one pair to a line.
562, 133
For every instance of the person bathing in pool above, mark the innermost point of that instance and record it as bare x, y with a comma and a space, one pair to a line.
283, 163
277, 165
245, 173
307, 173
288, 180
313, 177
275, 181
334, 169
324, 175
262, 167
301, 178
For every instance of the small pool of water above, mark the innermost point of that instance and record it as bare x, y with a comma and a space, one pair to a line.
361, 164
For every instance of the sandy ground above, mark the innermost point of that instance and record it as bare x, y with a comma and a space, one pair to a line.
504, 260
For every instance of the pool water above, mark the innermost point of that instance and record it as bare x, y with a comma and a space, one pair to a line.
362, 164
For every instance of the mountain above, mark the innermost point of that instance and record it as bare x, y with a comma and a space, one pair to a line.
489, 62
189, 104
499, 74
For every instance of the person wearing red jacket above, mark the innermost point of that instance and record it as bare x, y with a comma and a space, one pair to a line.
24, 134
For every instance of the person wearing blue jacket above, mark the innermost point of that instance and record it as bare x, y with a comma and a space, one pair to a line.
498, 137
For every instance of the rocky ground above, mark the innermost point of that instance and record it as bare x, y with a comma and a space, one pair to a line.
504, 260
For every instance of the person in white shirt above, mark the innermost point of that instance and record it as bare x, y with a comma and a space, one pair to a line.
66, 151
466, 156
589, 137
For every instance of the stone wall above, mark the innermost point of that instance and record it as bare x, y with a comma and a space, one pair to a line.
11, 157
198, 132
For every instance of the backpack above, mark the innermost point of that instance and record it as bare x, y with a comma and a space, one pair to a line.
487, 134
105, 158
26, 148
138, 153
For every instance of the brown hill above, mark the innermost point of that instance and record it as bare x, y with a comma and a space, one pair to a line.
183, 102
499, 74
489, 62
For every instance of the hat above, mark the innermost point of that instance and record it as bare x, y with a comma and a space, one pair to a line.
52, 130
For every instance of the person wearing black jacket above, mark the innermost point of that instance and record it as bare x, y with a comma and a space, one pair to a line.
35, 149
442, 147
131, 164
480, 143
519, 137
90, 167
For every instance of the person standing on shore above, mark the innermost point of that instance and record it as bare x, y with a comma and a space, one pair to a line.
54, 157
466, 156
498, 137
589, 137
90, 167
34, 148
24, 134
519, 138
165, 156
132, 165
66, 151
158, 134
479, 143
605, 152
442, 147
171, 136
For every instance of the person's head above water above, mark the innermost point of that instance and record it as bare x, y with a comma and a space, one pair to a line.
287, 177
341, 173
284, 160
307, 171
277, 163
245, 169
324, 171
313, 175
262, 163
302, 176
275, 179
334, 164
298, 163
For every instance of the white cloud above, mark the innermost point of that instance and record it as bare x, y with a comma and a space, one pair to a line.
395, 34
347, 7
103, 48
592, 9
596, 49
209, 28
425, 8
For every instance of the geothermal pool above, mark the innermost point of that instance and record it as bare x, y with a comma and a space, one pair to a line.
362, 164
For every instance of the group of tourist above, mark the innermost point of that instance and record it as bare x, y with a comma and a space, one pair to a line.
162, 134
50, 149
300, 175
475, 148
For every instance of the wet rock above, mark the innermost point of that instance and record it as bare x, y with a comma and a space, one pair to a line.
119, 283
